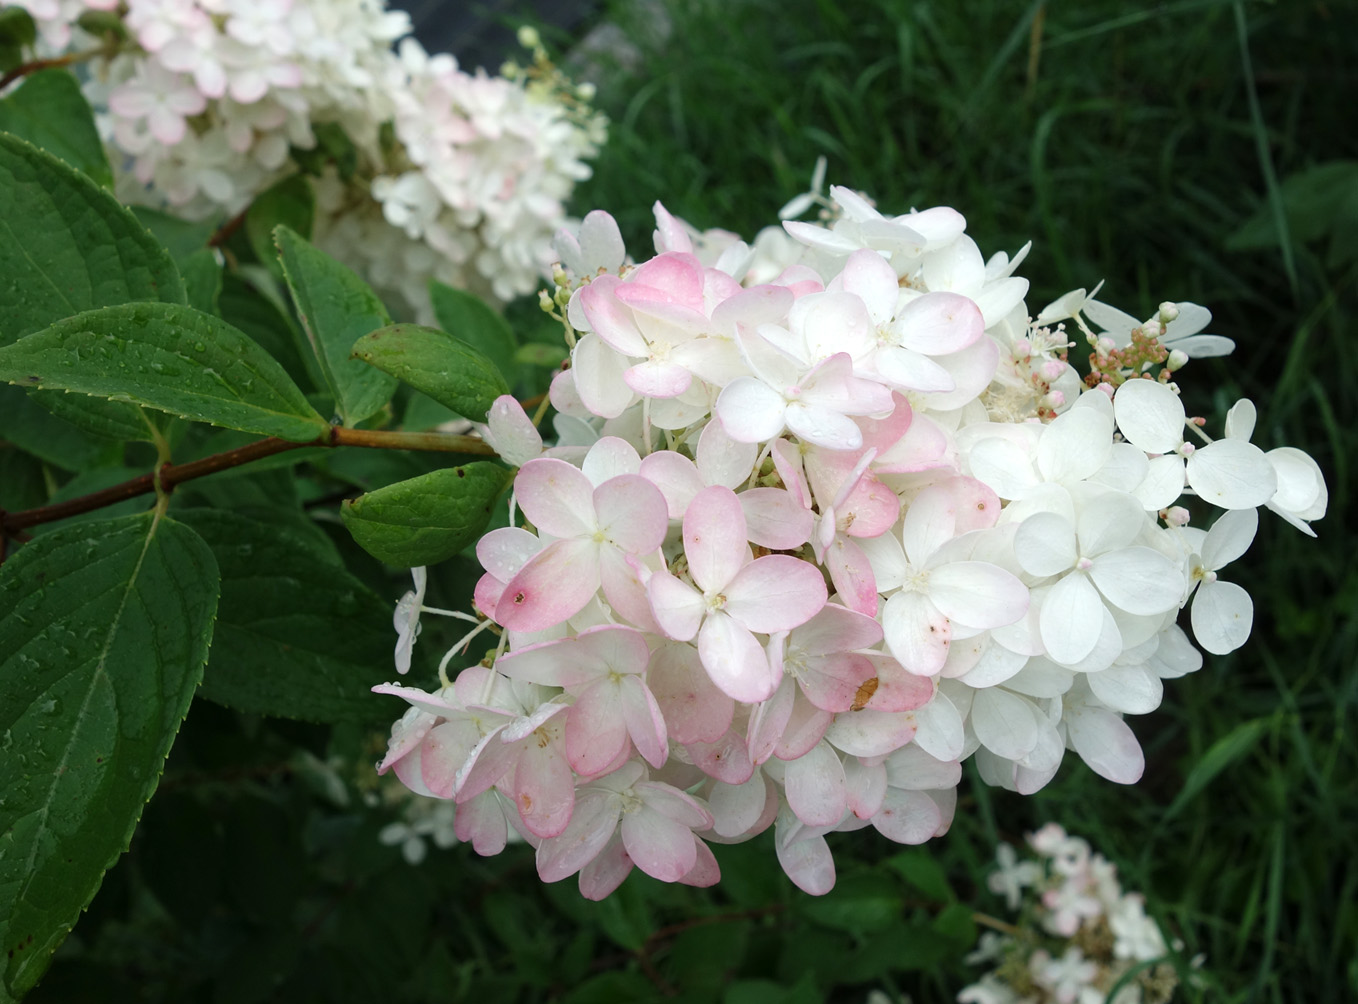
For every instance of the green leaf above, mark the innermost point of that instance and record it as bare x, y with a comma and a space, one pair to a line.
426, 519
446, 368
857, 904
66, 245
542, 354
17, 33
202, 274
291, 203
170, 358
471, 319
333, 146
49, 111
297, 636
115, 420
179, 237
1220, 755
918, 867
102, 645
244, 306
336, 308
50, 437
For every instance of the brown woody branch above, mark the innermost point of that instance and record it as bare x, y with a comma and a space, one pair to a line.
12, 524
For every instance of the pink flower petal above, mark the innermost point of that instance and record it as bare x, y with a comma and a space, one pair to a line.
660, 846
632, 513
738, 808
837, 682
815, 787
544, 790
596, 731
897, 688
556, 497
658, 379
775, 593
610, 319
917, 634
774, 519
601, 877
677, 478
645, 722
768, 719
734, 659
592, 825
870, 733
677, 606
907, 817
481, 822
694, 709
938, 324
805, 727
723, 460
851, 573
705, 871
554, 585
714, 538
808, 863
865, 786
727, 759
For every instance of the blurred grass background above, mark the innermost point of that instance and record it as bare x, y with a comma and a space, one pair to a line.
1196, 150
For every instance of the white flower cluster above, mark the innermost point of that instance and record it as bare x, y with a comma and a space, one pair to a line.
1078, 935
479, 182
817, 530
206, 101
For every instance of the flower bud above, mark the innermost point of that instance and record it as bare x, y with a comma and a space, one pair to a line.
529, 37
1177, 359
1176, 515
1168, 312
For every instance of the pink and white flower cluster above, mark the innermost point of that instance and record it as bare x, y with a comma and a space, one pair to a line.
478, 184
206, 102
1078, 934
811, 538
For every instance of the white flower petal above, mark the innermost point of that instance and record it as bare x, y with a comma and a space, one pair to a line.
1138, 580
1229, 538
1223, 614
1150, 415
1232, 474
1071, 618
1005, 723
1129, 689
1045, 544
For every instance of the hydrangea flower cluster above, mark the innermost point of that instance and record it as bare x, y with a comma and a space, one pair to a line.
814, 531
206, 103
1079, 935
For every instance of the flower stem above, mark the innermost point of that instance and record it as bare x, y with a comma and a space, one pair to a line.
48, 64
166, 476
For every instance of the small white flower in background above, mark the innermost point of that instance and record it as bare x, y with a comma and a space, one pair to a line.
1077, 935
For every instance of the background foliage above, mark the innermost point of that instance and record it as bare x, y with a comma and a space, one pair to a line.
1196, 150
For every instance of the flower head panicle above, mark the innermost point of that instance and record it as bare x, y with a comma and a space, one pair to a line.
1077, 934
421, 169
819, 524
